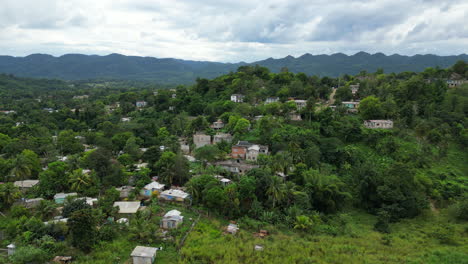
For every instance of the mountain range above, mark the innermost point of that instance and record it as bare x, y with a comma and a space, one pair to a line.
176, 71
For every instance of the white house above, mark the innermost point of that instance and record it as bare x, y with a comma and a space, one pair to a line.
300, 103
270, 100
237, 98
354, 88
172, 219
143, 255
386, 124
127, 207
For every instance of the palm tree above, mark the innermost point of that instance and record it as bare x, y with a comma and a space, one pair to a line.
45, 209
79, 180
21, 170
303, 222
9, 193
276, 190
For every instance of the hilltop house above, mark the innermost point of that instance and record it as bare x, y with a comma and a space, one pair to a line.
172, 219
219, 124
386, 124
143, 255
201, 139
222, 137
237, 98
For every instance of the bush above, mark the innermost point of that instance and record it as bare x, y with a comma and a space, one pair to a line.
17, 211
75, 205
29, 255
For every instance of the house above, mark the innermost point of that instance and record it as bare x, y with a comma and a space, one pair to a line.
174, 195
236, 166
354, 88
172, 219
219, 137
141, 104
219, 124
143, 255
26, 184
60, 197
89, 200
127, 207
124, 191
57, 220
270, 100
125, 119
241, 150
386, 124
152, 187
455, 83
237, 98
80, 97
201, 139
352, 106
300, 103
7, 112
140, 166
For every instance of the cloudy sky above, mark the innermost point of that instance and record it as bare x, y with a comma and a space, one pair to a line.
232, 31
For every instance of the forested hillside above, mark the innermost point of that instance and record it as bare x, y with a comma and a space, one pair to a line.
175, 71
366, 168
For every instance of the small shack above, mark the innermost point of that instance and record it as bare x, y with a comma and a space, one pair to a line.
172, 219
232, 229
143, 255
152, 187
124, 191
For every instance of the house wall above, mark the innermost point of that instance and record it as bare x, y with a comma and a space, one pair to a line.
238, 152
142, 260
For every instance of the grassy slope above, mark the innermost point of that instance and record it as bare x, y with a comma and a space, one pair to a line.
419, 240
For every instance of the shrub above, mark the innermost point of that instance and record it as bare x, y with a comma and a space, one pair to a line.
29, 255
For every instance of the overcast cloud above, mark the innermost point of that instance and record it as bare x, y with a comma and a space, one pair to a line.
232, 31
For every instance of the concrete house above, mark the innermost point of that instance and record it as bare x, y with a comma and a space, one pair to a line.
29, 203
127, 207
247, 150
152, 187
219, 124
270, 100
294, 116
386, 124
201, 139
174, 195
184, 147
143, 255
222, 136
237, 98
26, 184
172, 219
140, 104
